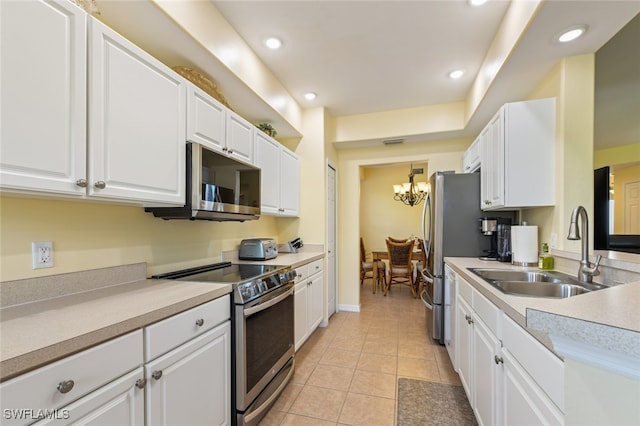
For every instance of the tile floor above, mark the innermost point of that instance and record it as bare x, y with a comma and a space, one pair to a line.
347, 372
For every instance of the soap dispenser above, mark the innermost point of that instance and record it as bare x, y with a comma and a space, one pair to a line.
545, 260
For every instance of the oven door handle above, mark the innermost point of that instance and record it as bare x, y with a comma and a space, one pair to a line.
426, 300
262, 306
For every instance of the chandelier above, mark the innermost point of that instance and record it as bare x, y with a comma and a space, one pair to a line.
411, 193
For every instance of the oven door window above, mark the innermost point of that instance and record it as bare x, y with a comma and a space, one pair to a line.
269, 335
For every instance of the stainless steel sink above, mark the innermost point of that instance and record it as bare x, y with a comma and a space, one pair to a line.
548, 284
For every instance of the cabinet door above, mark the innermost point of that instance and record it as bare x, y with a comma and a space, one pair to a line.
136, 123
43, 97
239, 137
486, 381
121, 402
191, 385
487, 160
523, 402
289, 184
315, 297
300, 313
465, 354
268, 159
206, 119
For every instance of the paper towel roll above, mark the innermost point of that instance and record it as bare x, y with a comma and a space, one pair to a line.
524, 245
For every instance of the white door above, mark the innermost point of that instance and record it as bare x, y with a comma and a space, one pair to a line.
465, 354
300, 313
485, 382
289, 183
239, 137
632, 208
191, 385
43, 96
137, 123
314, 302
331, 241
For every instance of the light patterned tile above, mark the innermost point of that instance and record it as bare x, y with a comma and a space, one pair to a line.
375, 362
328, 376
380, 348
368, 410
273, 418
374, 384
319, 403
295, 420
340, 358
288, 395
418, 368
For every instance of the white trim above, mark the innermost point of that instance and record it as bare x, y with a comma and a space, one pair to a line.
625, 365
349, 308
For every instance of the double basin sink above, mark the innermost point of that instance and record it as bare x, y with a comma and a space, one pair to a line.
548, 284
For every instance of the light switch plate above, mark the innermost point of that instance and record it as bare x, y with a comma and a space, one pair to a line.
42, 254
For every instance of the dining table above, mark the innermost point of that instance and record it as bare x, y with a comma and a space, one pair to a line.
384, 254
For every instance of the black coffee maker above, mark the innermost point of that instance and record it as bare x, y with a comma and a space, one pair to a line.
499, 230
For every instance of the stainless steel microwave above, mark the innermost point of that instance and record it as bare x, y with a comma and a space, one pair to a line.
219, 188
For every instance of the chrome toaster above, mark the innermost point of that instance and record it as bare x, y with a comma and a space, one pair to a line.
258, 249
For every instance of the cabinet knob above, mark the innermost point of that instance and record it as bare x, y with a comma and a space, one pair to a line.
498, 359
225, 149
141, 383
230, 151
469, 319
200, 322
157, 374
100, 184
65, 386
82, 183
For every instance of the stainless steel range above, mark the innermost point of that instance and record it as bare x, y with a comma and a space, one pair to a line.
263, 335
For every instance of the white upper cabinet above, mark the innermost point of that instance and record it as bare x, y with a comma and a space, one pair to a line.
206, 119
137, 123
280, 177
43, 106
517, 156
471, 158
239, 138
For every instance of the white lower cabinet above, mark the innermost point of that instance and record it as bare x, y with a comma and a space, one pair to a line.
509, 377
186, 379
191, 383
101, 385
308, 301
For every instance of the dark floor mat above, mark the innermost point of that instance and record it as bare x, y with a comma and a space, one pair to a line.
427, 403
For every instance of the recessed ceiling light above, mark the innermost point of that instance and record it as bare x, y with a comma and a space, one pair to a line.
456, 74
310, 96
477, 2
273, 43
572, 33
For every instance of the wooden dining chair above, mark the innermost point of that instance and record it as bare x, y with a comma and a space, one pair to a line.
400, 266
398, 240
366, 270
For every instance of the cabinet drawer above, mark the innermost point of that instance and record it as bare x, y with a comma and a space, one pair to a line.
83, 373
546, 369
316, 266
464, 290
302, 272
167, 334
488, 312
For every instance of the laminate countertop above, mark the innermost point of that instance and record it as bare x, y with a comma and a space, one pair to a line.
607, 319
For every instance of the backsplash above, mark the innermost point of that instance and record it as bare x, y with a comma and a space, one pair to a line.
615, 268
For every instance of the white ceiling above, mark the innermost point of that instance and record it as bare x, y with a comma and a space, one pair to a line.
370, 56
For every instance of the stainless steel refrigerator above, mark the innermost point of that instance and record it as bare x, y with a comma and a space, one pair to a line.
450, 227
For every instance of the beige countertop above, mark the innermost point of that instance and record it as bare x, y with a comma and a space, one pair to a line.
607, 319
48, 318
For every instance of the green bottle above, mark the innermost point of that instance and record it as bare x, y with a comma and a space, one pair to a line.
545, 261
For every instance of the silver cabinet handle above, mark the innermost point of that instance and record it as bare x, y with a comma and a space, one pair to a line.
100, 184
141, 383
498, 359
157, 374
65, 386
200, 322
82, 183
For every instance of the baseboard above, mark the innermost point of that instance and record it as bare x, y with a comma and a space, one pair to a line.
349, 308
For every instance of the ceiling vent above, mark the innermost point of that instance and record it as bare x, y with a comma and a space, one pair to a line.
392, 141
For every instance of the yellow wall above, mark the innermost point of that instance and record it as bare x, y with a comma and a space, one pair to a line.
441, 155
618, 155
90, 235
571, 82
380, 215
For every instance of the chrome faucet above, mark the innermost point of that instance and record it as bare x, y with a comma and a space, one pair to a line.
587, 270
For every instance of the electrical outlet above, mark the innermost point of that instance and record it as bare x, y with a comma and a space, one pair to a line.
42, 254
554, 240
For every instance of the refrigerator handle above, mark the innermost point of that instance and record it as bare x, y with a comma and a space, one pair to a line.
426, 208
